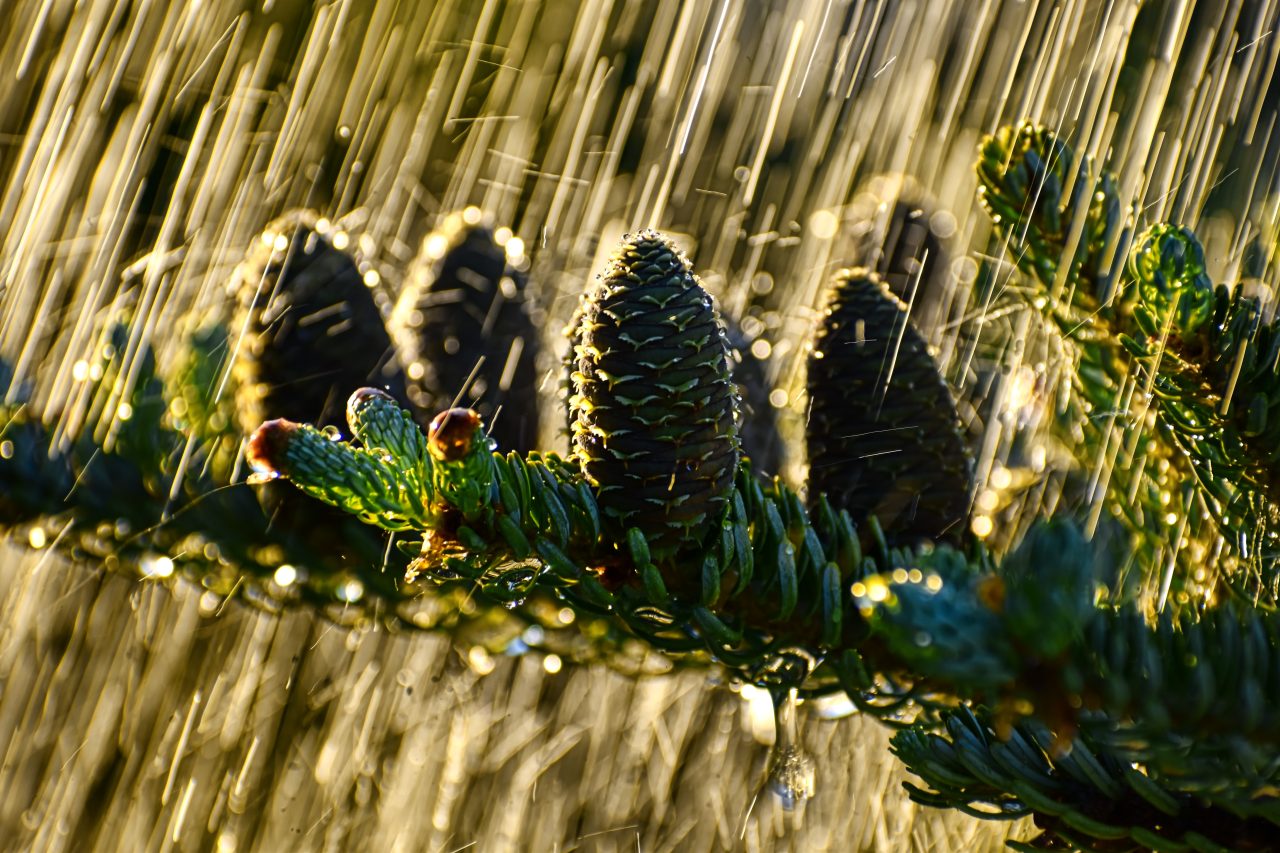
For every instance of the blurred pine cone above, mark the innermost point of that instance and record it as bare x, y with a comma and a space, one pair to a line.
462, 300
883, 437
899, 236
313, 332
654, 411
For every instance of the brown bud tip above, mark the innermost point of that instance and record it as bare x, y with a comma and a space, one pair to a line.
451, 434
991, 593
267, 446
363, 395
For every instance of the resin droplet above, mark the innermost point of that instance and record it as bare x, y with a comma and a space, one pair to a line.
363, 397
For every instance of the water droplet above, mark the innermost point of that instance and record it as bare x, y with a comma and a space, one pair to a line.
481, 661
833, 706
351, 591
792, 773
332, 433
156, 566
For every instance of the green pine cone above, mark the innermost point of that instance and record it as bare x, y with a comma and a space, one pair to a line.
883, 438
654, 411
313, 330
463, 300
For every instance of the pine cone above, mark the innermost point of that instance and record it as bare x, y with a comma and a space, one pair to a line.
463, 300
883, 435
895, 237
314, 333
654, 413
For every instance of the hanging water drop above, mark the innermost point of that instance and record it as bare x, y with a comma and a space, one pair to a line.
792, 774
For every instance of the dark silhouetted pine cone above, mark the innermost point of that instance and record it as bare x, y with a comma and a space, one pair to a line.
313, 334
463, 300
654, 411
883, 436
897, 236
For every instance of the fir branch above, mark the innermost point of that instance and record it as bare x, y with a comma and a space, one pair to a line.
123, 510
789, 599
786, 596
1061, 218
1028, 638
1213, 365
766, 586
1081, 796
1026, 635
1059, 212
